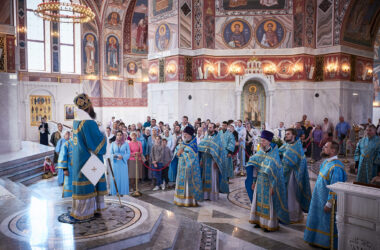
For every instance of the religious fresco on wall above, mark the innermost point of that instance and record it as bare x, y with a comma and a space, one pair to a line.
132, 68
139, 28
270, 33
112, 57
90, 62
253, 103
161, 6
237, 33
253, 4
162, 37
357, 29
40, 106
113, 21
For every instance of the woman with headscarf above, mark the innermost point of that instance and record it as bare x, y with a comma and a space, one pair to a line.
119, 155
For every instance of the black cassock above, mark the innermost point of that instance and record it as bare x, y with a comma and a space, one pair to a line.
44, 136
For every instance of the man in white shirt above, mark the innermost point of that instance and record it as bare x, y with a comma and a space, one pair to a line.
280, 131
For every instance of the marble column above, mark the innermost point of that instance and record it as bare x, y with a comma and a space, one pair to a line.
9, 123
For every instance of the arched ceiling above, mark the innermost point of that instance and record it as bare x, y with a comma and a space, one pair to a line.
361, 24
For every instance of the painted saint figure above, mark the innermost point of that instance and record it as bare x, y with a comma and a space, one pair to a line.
112, 55
142, 35
90, 54
237, 39
163, 38
270, 38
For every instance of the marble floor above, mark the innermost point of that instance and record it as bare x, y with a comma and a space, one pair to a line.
28, 221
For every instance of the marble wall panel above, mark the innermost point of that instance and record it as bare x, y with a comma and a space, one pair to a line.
185, 22
325, 23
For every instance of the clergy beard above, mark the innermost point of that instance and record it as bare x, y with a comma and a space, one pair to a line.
324, 155
288, 141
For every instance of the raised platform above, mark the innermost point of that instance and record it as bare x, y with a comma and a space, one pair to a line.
25, 166
28, 219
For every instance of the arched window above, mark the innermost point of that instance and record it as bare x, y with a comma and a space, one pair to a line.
52, 47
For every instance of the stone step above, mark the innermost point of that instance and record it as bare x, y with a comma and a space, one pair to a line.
9, 170
26, 172
19, 190
23, 160
31, 179
165, 236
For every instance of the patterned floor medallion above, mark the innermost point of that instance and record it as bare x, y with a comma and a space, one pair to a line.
208, 239
27, 224
240, 198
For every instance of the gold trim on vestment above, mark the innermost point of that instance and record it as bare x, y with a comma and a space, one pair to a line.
183, 196
327, 178
185, 205
85, 183
264, 226
84, 196
76, 131
99, 147
319, 231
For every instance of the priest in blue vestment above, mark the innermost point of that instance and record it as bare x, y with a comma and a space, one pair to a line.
188, 188
269, 200
88, 200
296, 176
321, 228
228, 141
65, 165
212, 161
58, 148
119, 155
367, 156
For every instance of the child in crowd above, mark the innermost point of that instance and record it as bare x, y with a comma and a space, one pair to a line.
49, 168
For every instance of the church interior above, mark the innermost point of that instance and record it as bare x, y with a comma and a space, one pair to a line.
261, 62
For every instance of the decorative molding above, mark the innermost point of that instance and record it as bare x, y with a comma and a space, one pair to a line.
262, 52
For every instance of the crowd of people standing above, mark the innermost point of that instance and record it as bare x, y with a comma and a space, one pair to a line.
199, 160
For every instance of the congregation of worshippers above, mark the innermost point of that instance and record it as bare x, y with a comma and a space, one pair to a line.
199, 159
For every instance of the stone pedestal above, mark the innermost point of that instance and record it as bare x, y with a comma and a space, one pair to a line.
9, 123
358, 216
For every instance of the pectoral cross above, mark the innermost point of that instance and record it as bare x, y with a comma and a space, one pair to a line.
93, 169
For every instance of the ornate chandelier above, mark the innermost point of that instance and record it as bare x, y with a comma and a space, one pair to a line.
56, 11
